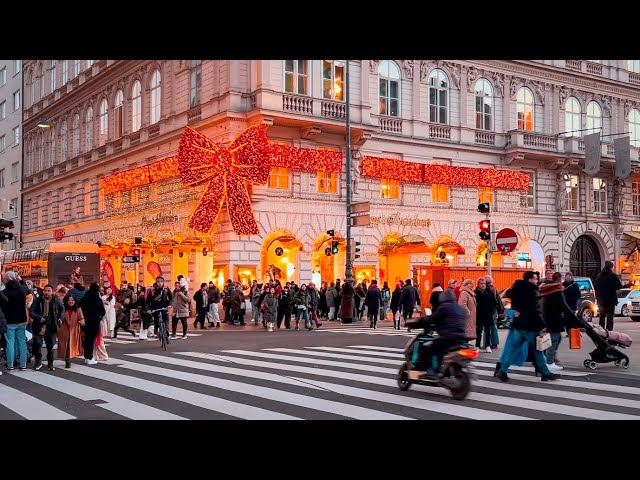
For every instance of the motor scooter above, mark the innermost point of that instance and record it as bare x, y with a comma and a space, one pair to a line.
453, 371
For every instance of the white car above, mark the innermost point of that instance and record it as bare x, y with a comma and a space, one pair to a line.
625, 296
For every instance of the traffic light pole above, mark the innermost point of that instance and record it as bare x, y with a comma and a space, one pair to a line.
490, 247
348, 272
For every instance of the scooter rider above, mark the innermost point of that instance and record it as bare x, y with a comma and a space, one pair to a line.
449, 321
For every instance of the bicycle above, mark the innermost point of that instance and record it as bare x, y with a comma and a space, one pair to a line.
163, 333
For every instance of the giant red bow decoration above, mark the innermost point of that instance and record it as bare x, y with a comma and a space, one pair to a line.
225, 170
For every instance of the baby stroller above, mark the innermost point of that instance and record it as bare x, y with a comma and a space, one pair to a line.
605, 342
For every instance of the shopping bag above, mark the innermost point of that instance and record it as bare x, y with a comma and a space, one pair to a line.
575, 339
543, 342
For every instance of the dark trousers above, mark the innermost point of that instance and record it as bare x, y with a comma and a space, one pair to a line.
286, 315
183, 320
123, 327
49, 340
606, 313
90, 334
437, 347
373, 316
200, 319
487, 327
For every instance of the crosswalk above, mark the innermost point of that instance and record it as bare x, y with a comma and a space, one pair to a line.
315, 382
127, 339
363, 329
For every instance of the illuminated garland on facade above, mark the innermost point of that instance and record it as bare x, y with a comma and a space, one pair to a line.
444, 174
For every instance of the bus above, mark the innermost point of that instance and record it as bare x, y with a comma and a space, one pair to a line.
64, 263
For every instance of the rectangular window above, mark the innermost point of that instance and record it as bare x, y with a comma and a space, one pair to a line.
87, 198
65, 71
117, 200
296, 76
439, 193
327, 182
527, 196
13, 208
101, 201
634, 65
599, 195
14, 172
571, 191
3, 76
2, 143
635, 198
2, 178
279, 178
118, 119
16, 100
195, 82
389, 188
153, 193
39, 209
76, 68
17, 65
485, 194
3, 110
135, 196
333, 79
16, 136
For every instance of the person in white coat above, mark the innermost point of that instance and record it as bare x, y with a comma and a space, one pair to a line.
109, 301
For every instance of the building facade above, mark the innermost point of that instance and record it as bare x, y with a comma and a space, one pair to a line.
10, 146
109, 169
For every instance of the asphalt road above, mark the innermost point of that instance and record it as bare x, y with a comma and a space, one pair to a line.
340, 372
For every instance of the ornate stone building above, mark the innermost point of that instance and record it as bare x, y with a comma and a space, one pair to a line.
113, 119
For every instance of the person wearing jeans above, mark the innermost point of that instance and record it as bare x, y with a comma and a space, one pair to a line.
13, 301
557, 315
180, 303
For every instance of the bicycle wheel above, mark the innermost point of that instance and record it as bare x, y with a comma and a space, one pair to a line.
163, 334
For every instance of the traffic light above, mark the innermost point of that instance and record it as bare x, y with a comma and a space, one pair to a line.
334, 247
5, 235
355, 249
485, 230
484, 208
135, 253
331, 233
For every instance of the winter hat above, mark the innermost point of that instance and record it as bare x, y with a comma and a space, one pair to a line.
437, 288
10, 275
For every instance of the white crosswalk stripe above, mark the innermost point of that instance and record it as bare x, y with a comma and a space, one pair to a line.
316, 382
388, 331
127, 339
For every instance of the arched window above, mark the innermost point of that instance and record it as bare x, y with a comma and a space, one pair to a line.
88, 133
54, 72
136, 106
63, 141
484, 105
572, 120
634, 127
65, 71
155, 97
52, 147
75, 136
524, 109
438, 97
594, 117
118, 114
389, 88
104, 122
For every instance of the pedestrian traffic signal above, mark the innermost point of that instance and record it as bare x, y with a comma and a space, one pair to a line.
331, 233
355, 249
327, 251
334, 247
135, 255
5, 224
484, 208
485, 230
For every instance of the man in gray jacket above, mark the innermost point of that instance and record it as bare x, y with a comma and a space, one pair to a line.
331, 295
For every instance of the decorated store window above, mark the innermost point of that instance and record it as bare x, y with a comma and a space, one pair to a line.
439, 193
389, 188
279, 178
327, 182
485, 194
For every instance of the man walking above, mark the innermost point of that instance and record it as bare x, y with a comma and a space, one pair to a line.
47, 313
607, 285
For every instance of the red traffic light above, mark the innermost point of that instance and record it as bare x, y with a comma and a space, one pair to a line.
135, 252
485, 229
484, 208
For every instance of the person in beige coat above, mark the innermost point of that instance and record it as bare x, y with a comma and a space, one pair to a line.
467, 301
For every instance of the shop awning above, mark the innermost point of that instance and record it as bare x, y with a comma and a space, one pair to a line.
633, 234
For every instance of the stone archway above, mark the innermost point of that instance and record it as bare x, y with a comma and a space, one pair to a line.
585, 259
326, 268
279, 256
603, 242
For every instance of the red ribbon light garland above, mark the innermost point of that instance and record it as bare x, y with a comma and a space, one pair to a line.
225, 172
444, 174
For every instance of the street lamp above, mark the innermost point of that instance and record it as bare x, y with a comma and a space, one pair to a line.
44, 124
348, 273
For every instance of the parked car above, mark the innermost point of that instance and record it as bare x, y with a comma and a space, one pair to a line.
625, 297
587, 307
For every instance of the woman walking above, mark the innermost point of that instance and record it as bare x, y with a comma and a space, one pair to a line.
93, 311
69, 332
109, 301
269, 308
467, 301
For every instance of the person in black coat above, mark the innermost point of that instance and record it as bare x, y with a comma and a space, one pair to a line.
201, 299
13, 304
434, 299
449, 321
607, 285
527, 325
373, 300
395, 306
487, 307
409, 298
571, 291
93, 311
557, 315
45, 324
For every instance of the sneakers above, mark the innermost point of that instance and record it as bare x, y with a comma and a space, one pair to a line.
38, 366
173, 337
90, 361
183, 337
488, 349
551, 376
554, 366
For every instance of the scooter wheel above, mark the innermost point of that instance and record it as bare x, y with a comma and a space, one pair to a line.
616, 363
403, 377
462, 385
624, 363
